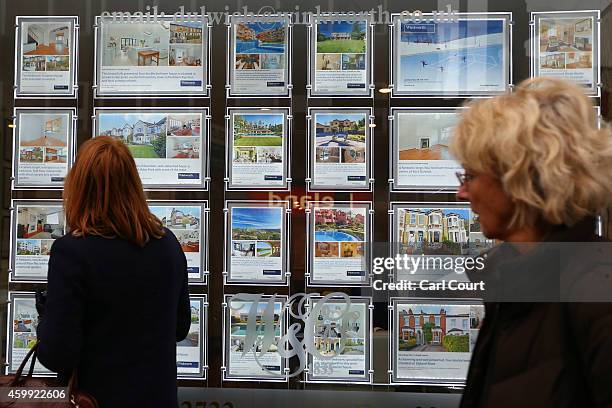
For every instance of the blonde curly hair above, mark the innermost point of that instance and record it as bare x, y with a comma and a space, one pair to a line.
543, 143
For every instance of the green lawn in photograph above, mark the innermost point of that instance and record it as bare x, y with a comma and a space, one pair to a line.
143, 152
259, 141
346, 46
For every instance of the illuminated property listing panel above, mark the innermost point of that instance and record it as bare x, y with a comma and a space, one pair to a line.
141, 58
169, 146
44, 140
46, 56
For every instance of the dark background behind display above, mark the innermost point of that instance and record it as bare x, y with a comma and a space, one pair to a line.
88, 9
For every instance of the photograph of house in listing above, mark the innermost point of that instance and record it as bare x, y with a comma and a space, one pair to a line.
155, 135
339, 232
184, 222
433, 328
43, 138
258, 138
341, 45
37, 227
346, 132
46, 46
341, 330
442, 231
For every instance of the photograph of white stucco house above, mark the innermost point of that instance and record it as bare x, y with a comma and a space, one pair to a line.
433, 328
426, 226
143, 133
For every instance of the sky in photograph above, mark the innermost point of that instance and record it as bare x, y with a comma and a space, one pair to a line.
239, 307
109, 121
326, 118
264, 26
258, 218
326, 28
442, 32
193, 211
269, 119
160, 212
434, 309
463, 213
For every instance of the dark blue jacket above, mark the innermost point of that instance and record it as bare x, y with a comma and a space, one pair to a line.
116, 311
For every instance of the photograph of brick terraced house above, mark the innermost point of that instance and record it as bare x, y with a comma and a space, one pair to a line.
433, 328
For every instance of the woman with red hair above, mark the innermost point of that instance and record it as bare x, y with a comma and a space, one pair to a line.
117, 294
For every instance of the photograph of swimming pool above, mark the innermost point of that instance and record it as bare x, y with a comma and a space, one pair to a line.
339, 224
260, 37
239, 318
442, 57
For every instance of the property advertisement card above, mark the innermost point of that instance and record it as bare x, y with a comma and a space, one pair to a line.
46, 56
37, 225
342, 339
191, 352
187, 223
437, 232
259, 57
43, 146
24, 320
164, 57
256, 243
340, 149
168, 145
249, 327
339, 245
341, 54
566, 47
420, 143
433, 342
468, 56
257, 148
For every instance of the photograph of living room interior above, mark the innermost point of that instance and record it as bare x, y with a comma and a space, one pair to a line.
136, 44
46, 39
566, 35
38, 222
424, 135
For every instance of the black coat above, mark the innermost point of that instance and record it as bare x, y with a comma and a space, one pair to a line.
115, 311
544, 354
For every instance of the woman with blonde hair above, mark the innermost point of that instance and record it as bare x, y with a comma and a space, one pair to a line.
117, 294
538, 170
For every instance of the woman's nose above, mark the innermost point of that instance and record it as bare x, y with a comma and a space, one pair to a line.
462, 193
